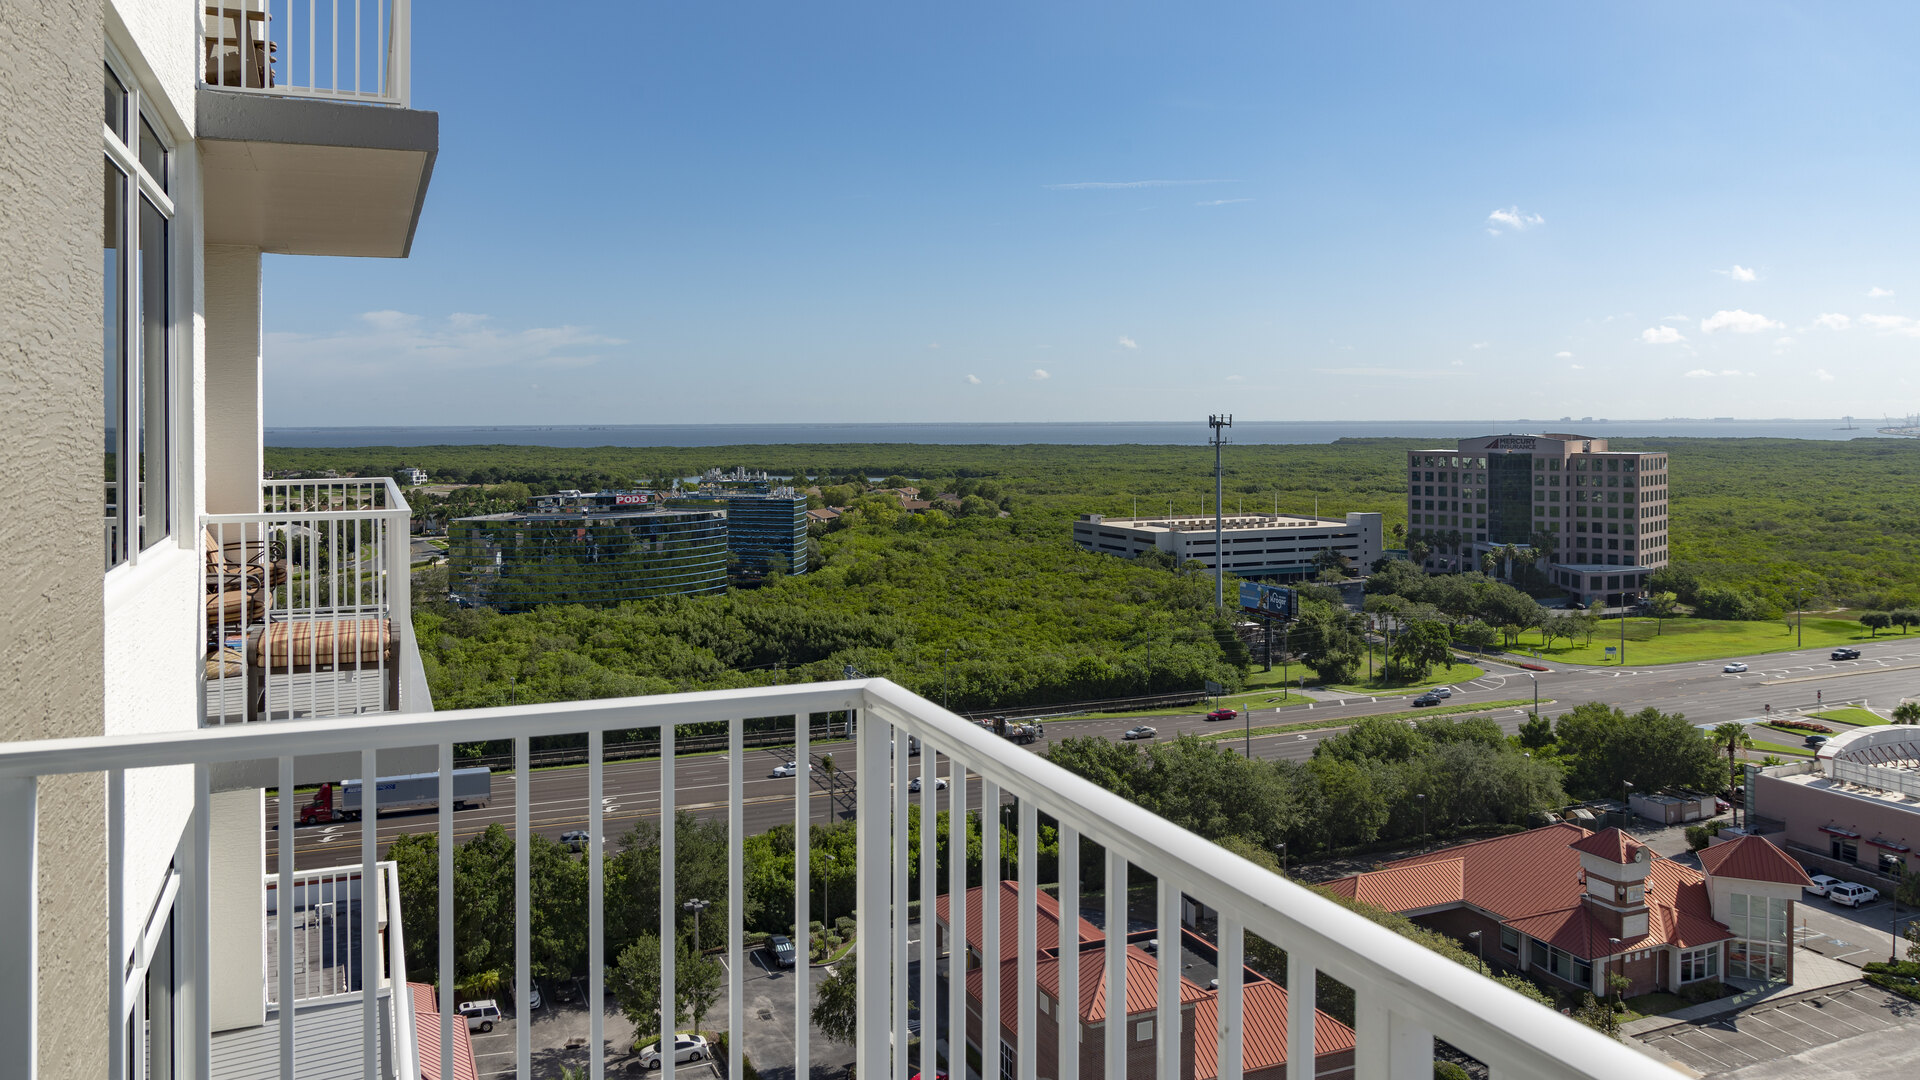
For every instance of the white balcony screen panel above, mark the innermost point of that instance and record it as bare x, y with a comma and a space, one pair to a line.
1029, 941
956, 915
928, 1064
1405, 995
1067, 1005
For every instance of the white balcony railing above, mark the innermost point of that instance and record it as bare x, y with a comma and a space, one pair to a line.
341, 50
327, 907
308, 603
1405, 995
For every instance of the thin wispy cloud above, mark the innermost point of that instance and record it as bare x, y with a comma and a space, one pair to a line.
1724, 373
1738, 321
1512, 219
1877, 293
1577, 367
1219, 202
1040, 375
1676, 318
1833, 320
1738, 273
1563, 355
1388, 373
1823, 374
1112, 185
1128, 343
973, 380
1660, 335
1903, 325
384, 341
1480, 344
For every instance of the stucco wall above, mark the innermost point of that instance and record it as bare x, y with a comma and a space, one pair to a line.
50, 395
234, 461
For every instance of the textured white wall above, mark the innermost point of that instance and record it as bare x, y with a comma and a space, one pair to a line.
239, 899
234, 460
50, 409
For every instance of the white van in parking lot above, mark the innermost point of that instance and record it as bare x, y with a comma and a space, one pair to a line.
481, 1015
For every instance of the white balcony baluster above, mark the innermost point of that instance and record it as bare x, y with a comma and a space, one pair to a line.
1406, 996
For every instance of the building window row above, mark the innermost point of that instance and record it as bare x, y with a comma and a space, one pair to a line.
1701, 963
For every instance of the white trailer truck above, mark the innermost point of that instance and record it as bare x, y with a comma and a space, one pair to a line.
420, 791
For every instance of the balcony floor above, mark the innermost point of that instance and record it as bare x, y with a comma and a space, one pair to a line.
326, 1041
326, 952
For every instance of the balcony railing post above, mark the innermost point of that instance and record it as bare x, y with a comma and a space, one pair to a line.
1025, 1006
874, 913
802, 887
1067, 1007
1167, 1025
1302, 981
1116, 950
991, 871
956, 915
1232, 940
369, 913
19, 927
902, 857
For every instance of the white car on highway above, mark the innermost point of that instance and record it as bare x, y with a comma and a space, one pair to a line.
1734, 668
939, 784
789, 769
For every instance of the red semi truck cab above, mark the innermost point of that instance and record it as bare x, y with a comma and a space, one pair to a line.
321, 809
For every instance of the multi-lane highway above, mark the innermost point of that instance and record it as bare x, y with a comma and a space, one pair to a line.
1887, 672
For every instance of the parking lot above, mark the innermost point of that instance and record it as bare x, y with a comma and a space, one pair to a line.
1846, 1031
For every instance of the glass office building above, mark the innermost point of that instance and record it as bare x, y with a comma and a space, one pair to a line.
513, 562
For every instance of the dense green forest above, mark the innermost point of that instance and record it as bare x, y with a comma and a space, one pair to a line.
1838, 519
992, 606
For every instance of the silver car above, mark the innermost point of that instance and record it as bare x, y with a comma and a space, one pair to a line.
685, 1048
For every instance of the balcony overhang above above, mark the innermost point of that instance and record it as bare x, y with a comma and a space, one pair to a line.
297, 176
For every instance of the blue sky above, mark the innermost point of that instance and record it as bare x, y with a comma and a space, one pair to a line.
678, 212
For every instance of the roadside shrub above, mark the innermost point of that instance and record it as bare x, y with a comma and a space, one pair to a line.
1697, 838
1804, 725
1447, 1070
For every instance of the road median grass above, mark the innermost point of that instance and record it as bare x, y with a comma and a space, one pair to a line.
1446, 676
1679, 641
1410, 714
1780, 748
1861, 717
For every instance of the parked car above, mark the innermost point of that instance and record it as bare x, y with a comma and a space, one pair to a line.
1720, 805
575, 840
789, 769
1815, 742
1441, 691
534, 1000
1852, 895
1222, 714
1141, 732
1845, 653
939, 784
1576, 605
782, 950
1821, 883
685, 1048
1734, 668
481, 1015
1428, 698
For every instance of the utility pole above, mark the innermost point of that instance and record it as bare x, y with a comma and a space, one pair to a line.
1219, 424
1800, 618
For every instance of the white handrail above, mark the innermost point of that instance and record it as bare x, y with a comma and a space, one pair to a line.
310, 48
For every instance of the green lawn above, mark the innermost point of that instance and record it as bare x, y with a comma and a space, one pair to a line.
1789, 731
1682, 640
1851, 716
1778, 748
1658, 1003
1271, 698
1446, 676
1410, 714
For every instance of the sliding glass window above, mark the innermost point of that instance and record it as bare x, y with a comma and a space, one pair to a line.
137, 297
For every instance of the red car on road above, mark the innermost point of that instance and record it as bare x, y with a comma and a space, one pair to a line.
1222, 714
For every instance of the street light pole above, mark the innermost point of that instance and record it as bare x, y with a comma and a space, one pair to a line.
1536, 694
1283, 858
1799, 618
1421, 799
696, 906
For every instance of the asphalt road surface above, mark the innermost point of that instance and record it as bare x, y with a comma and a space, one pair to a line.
1887, 672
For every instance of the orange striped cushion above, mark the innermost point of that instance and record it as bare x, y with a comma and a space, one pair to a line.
323, 642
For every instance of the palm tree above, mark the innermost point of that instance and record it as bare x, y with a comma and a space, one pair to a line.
1732, 735
1489, 563
1907, 712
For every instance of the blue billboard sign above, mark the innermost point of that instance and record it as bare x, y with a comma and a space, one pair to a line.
1275, 600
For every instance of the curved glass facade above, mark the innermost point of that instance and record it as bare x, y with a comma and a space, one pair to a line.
512, 562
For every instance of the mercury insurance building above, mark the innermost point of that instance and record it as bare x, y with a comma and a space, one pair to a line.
1596, 517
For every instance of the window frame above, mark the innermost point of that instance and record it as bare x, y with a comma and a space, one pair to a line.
140, 187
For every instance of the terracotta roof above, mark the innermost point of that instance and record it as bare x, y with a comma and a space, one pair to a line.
1410, 888
1046, 921
1263, 1043
1143, 985
426, 1028
1531, 881
1751, 858
1612, 845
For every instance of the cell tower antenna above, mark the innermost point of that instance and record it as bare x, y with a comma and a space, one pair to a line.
1219, 424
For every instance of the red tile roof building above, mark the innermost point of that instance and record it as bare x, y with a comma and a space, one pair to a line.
1572, 905
1264, 1004
426, 1033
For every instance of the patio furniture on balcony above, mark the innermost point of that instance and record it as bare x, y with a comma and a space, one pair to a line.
236, 47
308, 646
